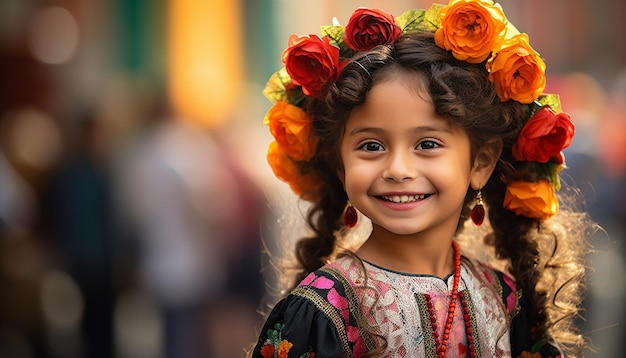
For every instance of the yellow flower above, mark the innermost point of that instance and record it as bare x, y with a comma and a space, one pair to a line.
531, 199
292, 129
471, 29
517, 70
285, 169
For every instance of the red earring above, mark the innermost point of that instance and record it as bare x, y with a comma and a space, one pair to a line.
478, 212
350, 216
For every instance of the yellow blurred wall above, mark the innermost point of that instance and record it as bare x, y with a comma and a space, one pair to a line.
205, 59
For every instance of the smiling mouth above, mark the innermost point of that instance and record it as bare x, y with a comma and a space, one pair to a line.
404, 198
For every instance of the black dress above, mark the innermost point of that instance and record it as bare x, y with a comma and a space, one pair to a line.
338, 311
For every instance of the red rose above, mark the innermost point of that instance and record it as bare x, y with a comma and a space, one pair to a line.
311, 62
368, 28
544, 136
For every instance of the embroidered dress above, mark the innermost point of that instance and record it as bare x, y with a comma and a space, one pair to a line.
326, 314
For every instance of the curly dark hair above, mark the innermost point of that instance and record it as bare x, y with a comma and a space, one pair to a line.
545, 258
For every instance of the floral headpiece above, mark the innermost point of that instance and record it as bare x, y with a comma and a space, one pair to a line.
475, 31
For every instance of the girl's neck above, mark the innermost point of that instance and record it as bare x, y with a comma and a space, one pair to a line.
409, 254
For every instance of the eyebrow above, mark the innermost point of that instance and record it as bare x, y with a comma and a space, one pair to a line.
426, 129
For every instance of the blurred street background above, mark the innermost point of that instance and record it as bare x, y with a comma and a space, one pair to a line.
135, 199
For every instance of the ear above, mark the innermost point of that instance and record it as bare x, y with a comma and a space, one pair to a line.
485, 162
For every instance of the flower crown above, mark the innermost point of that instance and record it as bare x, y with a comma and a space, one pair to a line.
475, 31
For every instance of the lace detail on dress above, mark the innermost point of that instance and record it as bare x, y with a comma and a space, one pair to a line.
395, 305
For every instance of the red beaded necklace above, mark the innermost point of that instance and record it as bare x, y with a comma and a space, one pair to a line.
443, 345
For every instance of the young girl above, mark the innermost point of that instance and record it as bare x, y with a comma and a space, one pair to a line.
418, 123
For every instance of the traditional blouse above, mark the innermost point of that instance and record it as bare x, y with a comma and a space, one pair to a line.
350, 307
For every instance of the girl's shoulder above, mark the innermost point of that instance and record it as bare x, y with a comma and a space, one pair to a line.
518, 307
318, 317
503, 284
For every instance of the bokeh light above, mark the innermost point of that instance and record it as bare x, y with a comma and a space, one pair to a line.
54, 35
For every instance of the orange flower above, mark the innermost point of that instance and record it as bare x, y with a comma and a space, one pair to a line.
526, 354
311, 62
471, 29
283, 348
544, 136
531, 199
285, 169
368, 28
292, 129
517, 71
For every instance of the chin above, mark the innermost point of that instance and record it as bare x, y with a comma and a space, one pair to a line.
402, 230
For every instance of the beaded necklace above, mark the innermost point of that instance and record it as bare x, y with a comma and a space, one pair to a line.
442, 345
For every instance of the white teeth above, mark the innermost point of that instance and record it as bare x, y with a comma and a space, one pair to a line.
403, 198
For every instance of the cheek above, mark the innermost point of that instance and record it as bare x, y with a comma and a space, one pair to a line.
358, 178
455, 170
354, 174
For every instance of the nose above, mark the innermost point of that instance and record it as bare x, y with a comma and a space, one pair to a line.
400, 166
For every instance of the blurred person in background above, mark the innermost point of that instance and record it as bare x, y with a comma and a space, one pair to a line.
196, 215
78, 214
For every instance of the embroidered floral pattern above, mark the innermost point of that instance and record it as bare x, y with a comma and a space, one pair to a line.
510, 299
394, 305
341, 304
527, 354
276, 347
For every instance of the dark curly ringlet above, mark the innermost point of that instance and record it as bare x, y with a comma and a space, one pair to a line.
462, 93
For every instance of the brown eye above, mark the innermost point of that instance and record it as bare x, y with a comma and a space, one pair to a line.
428, 144
372, 147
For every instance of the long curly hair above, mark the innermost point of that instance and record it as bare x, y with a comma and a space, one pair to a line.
546, 258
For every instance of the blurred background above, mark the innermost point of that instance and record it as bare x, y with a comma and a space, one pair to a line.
135, 199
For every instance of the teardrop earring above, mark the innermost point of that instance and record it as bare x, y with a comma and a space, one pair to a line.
478, 211
350, 216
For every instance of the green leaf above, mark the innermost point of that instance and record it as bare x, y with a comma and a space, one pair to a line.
273, 336
295, 96
553, 100
335, 34
412, 20
537, 346
280, 88
433, 16
549, 171
276, 87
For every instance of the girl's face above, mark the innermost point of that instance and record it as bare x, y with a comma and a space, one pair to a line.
405, 168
